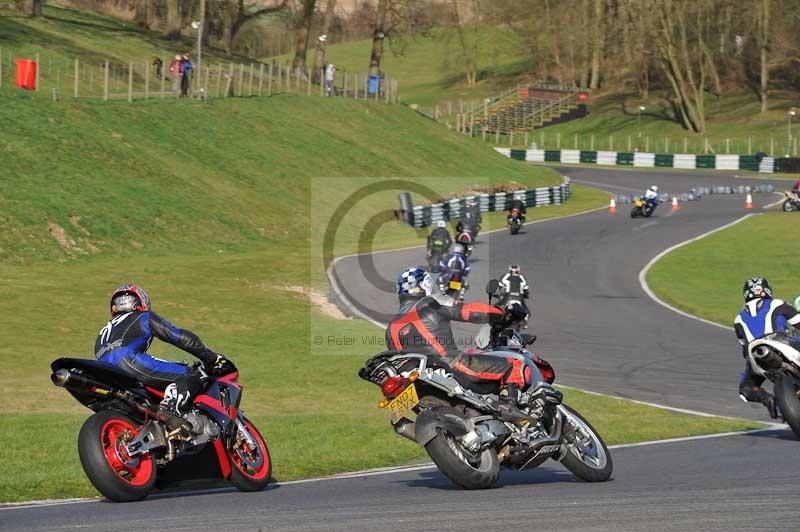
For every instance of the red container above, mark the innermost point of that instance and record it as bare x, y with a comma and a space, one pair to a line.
523, 92
582, 97
26, 74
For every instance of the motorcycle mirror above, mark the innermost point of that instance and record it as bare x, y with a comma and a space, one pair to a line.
530, 340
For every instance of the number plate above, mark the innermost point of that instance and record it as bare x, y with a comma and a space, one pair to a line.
455, 285
403, 404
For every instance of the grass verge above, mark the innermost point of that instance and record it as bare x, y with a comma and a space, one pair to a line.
705, 278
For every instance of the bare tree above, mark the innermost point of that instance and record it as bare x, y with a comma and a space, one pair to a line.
302, 34
322, 42
174, 20
598, 42
762, 37
231, 15
684, 62
30, 7
378, 35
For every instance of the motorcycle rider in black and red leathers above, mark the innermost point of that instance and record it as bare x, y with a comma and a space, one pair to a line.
423, 326
125, 339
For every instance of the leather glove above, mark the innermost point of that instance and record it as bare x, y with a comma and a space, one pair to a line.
220, 366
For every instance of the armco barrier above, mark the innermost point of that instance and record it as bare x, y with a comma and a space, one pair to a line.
425, 215
662, 160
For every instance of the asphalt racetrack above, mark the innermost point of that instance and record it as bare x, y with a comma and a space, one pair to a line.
601, 332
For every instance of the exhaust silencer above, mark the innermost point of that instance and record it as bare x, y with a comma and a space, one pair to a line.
767, 357
67, 379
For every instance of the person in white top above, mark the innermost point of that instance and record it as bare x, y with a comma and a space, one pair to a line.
330, 72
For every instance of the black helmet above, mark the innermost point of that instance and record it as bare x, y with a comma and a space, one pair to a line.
513, 269
755, 288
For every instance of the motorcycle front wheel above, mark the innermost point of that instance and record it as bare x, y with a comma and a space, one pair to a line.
465, 469
587, 456
252, 464
636, 211
786, 389
788, 206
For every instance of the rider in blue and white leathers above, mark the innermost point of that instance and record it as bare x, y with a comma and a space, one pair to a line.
761, 315
455, 261
651, 196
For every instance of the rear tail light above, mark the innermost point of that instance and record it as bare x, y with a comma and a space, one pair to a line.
392, 386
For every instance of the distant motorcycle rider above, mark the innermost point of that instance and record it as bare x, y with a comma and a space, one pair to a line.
439, 240
455, 261
124, 342
471, 221
519, 205
422, 326
761, 315
514, 289
651, 195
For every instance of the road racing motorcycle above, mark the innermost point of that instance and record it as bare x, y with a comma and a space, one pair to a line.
791, 201
514, 221
126, 452
776, 356
458, 421
643, 208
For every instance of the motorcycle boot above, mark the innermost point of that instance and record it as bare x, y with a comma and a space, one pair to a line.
169, 410
508, 406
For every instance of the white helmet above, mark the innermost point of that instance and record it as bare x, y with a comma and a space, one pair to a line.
654, 188
441, 223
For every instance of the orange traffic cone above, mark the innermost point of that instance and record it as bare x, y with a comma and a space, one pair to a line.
612, 205
748, 202
675, 206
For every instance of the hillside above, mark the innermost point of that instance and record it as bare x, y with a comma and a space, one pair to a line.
428, 66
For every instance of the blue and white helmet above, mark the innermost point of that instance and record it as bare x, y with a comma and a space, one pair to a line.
415, 282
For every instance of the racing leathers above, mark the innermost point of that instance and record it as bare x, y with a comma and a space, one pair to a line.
757, 319
450, 263
514, 288
125, 339
519, 205
423, 326
439, 240
651, 197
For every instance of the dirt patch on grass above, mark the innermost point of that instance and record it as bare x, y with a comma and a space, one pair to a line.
320, 301
58, 232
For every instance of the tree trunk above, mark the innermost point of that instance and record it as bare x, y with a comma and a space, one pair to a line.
377, 38
585, 53
320, 58
37, 8
597, 41
302, 34
763, 33
174, 21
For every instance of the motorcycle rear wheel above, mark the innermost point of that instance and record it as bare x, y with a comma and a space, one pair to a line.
594, 465
786, 397
469, 472
111, 470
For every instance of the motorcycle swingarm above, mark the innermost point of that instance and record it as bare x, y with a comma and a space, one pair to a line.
150, 437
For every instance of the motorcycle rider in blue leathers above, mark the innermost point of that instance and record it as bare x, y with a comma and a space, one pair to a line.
761, 315
455, 261
124, 342
651, 196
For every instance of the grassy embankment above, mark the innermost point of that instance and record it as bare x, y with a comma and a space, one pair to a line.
705, 277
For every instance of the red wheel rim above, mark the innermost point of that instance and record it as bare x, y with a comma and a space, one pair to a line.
134, 470
242, 464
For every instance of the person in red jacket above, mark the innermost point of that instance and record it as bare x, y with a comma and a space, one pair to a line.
423, 326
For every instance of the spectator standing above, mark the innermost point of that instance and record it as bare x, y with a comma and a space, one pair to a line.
330, 72
159, 64
186, 74
175, 74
